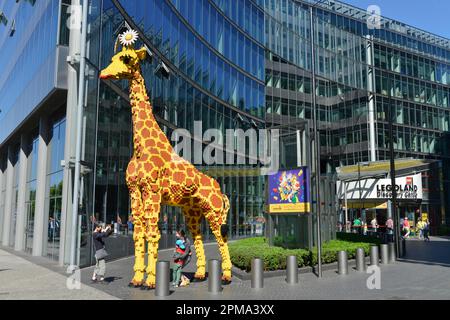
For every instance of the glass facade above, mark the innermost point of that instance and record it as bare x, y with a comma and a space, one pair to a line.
414, 85
209, 83
234, 64
410, 82
27, 59
55, 186
257, 62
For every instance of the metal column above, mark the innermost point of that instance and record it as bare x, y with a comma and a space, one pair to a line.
40, 222
371, 90
77, 176
19, 243
316, 134
8, 198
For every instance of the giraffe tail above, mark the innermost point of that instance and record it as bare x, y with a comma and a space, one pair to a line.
224, 229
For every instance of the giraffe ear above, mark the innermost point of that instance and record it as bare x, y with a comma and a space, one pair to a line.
142, 53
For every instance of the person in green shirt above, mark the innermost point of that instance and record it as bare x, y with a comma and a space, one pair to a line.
357, 225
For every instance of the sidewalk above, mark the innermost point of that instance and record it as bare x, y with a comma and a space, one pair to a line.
423, 274
416, 277
24, 280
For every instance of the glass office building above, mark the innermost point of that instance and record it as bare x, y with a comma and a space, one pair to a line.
244, 64
389, 71
33, 90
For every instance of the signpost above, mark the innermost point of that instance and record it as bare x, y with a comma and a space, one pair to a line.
289, 192
289, 207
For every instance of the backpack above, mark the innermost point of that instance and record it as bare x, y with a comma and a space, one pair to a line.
189, 256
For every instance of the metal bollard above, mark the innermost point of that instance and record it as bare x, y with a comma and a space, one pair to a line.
392, 255
257, 274
162, 279
384, 248
292, 270
342, 263
374, 257
214, 276
360, 260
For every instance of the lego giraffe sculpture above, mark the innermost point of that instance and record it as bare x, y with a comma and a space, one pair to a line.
156, 175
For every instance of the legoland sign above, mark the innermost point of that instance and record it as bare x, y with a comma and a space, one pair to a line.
407, 188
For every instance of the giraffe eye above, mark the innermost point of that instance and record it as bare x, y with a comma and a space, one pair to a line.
126, 60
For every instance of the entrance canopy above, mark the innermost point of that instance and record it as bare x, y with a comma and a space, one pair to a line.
408, 188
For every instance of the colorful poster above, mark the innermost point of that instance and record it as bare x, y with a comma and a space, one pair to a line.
289, 192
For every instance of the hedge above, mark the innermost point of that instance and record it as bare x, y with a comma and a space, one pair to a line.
242, 253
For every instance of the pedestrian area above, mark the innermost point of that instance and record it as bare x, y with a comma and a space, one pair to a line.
21, 279
423, 274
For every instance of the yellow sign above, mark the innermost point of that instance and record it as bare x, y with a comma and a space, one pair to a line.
367, 205
290, 208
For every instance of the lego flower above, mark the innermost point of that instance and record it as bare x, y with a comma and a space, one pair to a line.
128, 38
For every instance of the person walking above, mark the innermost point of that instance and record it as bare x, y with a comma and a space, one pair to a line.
426, 230
374, 225
130, 224
406, 228
420, 227
365, 229
390, 229
185, 257
100, 252
357, 225
180, 249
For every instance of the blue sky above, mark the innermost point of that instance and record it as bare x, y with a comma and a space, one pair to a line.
429, 15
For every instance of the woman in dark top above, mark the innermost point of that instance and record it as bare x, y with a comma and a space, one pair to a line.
100, 253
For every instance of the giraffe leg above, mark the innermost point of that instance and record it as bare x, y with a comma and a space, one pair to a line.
193, 221
152, 207
138, 237
223, 245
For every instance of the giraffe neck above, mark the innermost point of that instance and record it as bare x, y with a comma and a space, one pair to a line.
149, 139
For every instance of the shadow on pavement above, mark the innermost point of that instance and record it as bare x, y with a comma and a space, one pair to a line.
112, 279
429, 253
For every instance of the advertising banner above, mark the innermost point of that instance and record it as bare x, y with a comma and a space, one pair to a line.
289, 192
408, 188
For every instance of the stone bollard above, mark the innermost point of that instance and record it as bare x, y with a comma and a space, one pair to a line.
374, 256
384, 248
257, 274
392, 255
292, 270
214, 276
342, 263
360, 260
162, 279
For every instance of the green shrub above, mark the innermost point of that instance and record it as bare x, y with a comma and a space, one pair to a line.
242, 253
331, 249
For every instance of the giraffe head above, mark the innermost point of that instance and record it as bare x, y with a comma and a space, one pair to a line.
125, 63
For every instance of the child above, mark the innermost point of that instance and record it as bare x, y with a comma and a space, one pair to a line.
179, 251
